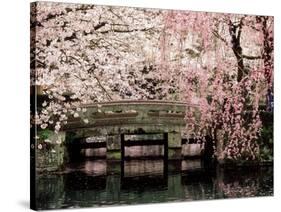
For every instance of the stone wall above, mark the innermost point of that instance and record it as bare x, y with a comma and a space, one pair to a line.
50, 155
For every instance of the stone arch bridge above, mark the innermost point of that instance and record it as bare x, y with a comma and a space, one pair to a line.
117, 120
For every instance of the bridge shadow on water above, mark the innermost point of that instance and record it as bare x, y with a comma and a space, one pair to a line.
99, 182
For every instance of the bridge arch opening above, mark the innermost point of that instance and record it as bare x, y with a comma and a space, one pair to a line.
144, 146
93, 147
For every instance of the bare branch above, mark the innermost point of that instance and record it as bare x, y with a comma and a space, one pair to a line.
100, 25
251, 57
107, 94
217, 35
126, 31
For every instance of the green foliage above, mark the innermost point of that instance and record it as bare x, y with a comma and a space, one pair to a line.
44, 134
266, 143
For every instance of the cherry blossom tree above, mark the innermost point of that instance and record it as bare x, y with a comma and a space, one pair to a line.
88, 53
221, 62
226, 73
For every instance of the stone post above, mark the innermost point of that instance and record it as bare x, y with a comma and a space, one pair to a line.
113, 147
174, 145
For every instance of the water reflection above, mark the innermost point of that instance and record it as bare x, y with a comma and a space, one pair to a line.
89, 167
250, 182
143, 167
191, 164
144, 151
97, 183
144, 176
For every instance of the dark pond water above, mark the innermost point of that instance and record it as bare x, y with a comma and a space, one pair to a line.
101, 183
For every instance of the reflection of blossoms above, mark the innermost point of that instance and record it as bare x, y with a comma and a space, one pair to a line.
235, 189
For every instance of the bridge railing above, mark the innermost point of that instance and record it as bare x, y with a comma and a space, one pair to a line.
117, 106
132, 111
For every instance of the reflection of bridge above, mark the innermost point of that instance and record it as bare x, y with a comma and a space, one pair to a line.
119, 118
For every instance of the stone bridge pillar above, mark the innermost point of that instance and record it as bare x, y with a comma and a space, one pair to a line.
113, 147
174, 145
